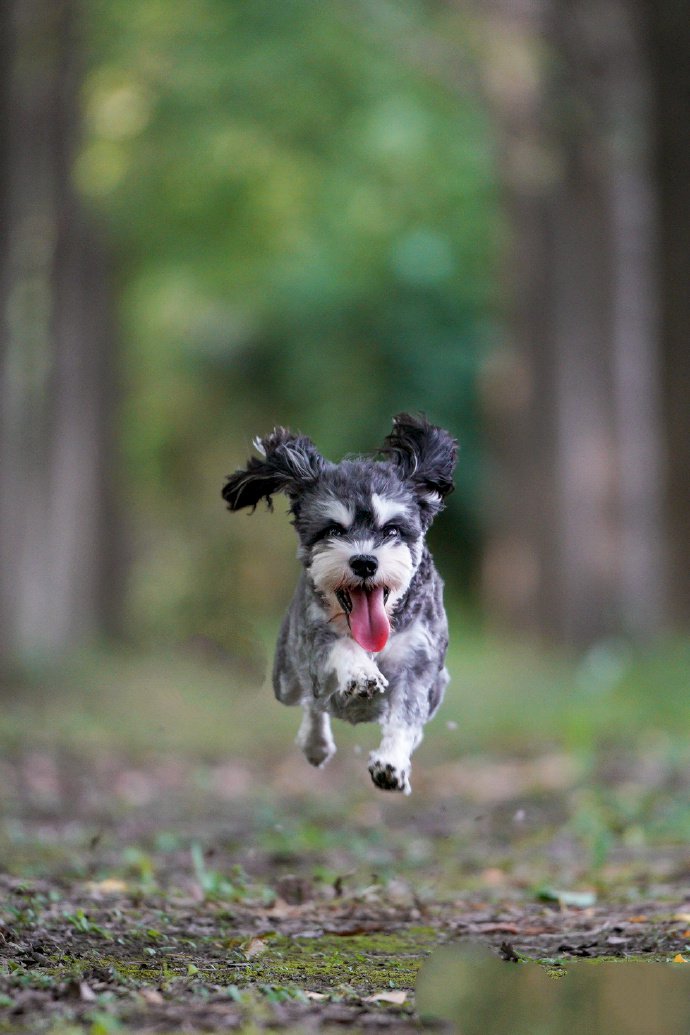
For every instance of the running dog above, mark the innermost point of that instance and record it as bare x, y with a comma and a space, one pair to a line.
366, 634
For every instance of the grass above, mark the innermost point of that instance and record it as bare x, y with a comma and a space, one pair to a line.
600, 740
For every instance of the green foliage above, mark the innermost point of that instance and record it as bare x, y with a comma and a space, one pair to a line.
302, 208
81, 921
214, 885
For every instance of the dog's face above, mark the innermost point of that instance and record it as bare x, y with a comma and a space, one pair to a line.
361, 523
361, 535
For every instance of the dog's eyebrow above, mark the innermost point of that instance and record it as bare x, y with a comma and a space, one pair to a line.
386, 510
336, 510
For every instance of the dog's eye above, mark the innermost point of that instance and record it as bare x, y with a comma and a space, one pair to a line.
334, 531
391, 531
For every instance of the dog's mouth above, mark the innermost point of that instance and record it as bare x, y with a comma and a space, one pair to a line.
345, 600
365, 609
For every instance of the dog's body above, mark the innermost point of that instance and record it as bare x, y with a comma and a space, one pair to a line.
365, 636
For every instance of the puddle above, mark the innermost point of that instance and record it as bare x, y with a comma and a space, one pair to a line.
479, 994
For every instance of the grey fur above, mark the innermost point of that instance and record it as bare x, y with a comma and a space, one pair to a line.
377, 509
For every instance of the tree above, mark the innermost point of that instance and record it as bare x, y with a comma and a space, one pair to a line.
57, 555
577, 548
668, 31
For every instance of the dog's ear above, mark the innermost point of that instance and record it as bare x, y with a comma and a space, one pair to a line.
425, 456
288, 463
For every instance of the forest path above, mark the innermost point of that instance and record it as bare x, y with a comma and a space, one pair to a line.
169, 894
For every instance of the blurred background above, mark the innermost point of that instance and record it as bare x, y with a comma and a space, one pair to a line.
218, 216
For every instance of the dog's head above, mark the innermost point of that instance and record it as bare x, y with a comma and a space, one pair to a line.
361, 523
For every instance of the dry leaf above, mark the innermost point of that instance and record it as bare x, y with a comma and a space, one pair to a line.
683, 917
86, 993
255, 948
281, 909
151, 996
494, 877
679, 959
318, 996
109, 886
396, 996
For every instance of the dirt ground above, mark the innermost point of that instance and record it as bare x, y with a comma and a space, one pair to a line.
159, 894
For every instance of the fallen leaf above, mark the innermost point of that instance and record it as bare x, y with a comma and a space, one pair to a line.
643, 919
396, 996
255, 947
494, 877
679, 959
109, 886
317, 996
280, 909
576, 899
151, 996
87, 994
683, 917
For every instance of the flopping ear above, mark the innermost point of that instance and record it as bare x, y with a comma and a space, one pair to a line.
425, 456
288, 464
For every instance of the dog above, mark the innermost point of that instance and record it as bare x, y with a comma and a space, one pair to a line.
366, 634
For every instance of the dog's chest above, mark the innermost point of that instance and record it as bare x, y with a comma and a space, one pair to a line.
404, 648
357, 709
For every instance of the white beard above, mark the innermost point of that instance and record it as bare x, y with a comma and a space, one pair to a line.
330, 568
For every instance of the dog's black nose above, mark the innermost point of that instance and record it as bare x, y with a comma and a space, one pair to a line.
364, 565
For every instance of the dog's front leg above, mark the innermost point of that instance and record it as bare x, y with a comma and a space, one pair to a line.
390, 764
348, 671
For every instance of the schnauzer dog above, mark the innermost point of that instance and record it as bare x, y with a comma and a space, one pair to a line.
365, 636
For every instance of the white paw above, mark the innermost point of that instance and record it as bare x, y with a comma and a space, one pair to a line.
351, 673
366, 682
389, 775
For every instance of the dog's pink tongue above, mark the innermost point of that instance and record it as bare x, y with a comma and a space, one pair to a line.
368, 619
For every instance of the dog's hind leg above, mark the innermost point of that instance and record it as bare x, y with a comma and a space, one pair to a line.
286, 684
314, 737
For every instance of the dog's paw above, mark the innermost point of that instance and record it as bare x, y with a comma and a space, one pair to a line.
319, 754
389, 776
317, 746
318, 750
365, 684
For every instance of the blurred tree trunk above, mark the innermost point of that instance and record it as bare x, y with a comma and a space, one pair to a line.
576, 550
669, 34
57, 541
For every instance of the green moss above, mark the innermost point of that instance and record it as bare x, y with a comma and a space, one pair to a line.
363, 963
349, 967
